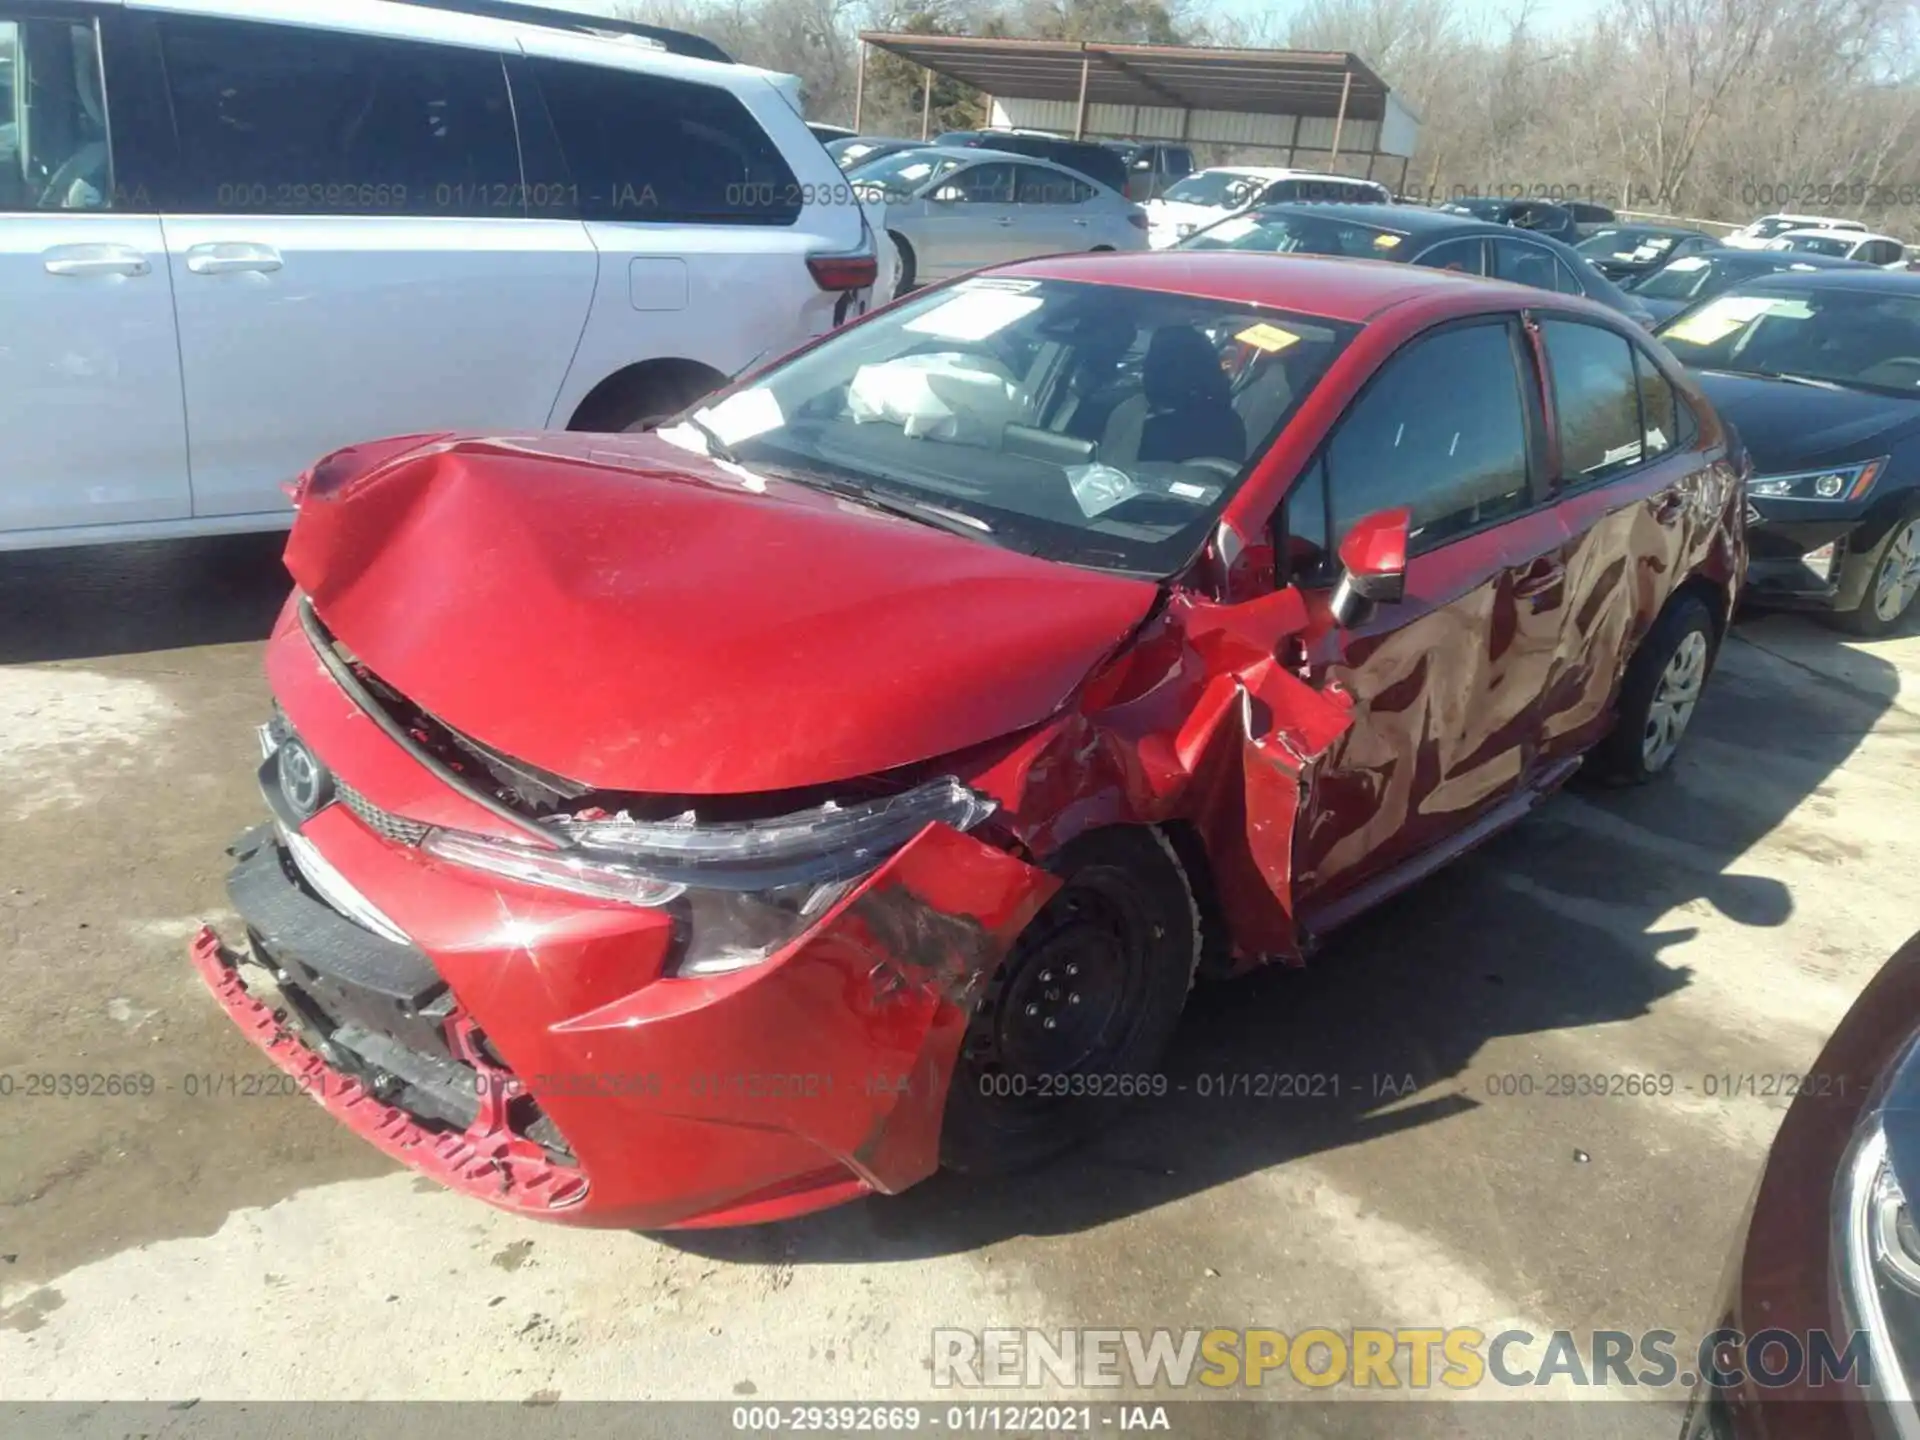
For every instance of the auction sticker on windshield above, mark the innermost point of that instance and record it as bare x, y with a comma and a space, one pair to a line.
1267, 337
1720, 318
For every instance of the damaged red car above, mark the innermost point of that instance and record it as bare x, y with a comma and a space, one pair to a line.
853, 776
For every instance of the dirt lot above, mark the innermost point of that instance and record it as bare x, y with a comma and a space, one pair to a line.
174, 1245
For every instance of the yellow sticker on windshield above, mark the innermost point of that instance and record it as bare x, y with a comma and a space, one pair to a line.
1267, 337
1385, 242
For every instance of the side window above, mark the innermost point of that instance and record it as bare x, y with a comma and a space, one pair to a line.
649, 149
1038, 186
1596, 398
980, 185
1464, 255
1660, 408
1179, 162
53, 117
1524, 263
1565, 279
287, 120
1307, 550
1441, 429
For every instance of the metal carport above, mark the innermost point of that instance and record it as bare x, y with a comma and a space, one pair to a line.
1301, 102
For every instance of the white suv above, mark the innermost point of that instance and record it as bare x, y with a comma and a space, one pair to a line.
281, 226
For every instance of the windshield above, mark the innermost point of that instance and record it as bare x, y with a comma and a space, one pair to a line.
1215, 188
1868, 339
1089, 423
905, 172
1622, 244
1296, 235
1691, 275
1838, 246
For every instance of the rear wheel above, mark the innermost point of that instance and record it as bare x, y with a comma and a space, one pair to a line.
1658, 697
904, 281
1076, 1019
1895, 569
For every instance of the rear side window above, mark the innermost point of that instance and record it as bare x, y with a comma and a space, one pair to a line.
1596, 397
979, 185
1462, 255
1565, 280
1038, 186
1441, 429
288, 120
53, 117
1524, 264
649, 149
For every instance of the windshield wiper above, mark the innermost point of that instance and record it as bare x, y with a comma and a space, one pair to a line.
1794, 379
954, 522
717, 449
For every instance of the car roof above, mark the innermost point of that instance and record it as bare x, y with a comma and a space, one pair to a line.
1856, 236
1409, 220
1348, 290
1798, 257
1848, 277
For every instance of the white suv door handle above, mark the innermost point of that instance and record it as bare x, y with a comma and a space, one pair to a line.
227, 258
95, 260
1079, 221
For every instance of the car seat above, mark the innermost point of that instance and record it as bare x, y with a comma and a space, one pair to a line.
1183, 410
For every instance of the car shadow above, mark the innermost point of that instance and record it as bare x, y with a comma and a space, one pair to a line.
1384, 1022
87, 602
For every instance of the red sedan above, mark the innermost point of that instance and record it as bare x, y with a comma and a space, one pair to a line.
854, 775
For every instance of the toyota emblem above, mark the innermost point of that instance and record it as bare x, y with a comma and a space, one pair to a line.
303, 780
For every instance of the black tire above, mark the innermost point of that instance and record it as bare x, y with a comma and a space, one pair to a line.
1867, 618
1109, 961
903, 282
1623, 758
648, 400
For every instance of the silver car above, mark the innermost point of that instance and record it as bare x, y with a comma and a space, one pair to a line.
950, 209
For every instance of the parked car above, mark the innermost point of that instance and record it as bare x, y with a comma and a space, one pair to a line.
1820, 373
1588, 217
1084, 157
1152, 167
1826, 1251
1543, 217
857, 150
1693, 278
1432, 238
1757, 234
1870, 249
1208, 195
294, 231
796, 786
950, 210
1626, 252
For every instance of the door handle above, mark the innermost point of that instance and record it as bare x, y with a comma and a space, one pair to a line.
228, 258
1004, 220
94, 260
1079, 222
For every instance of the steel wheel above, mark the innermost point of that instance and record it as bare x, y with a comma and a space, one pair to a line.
1898, 580
1674, 700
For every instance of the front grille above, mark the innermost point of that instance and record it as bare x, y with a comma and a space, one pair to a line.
383, 823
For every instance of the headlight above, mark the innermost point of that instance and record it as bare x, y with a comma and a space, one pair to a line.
740, 890
1876, 1248
1842, 482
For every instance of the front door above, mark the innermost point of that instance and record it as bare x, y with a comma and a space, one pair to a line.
1445, 685
89, 368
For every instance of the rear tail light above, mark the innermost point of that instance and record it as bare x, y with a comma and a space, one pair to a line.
1138, 219
844, 272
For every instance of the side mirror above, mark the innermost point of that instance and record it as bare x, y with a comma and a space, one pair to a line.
1373, 560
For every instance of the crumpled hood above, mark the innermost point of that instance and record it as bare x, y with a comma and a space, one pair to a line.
623, 613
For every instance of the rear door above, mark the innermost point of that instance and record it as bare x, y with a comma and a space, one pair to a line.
1631, 486
1446, 684
351, 250
1051, 212
95, 432
973, 217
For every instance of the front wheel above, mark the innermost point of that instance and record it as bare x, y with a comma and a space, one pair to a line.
1659, 694
1895, 567
1074, 1022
